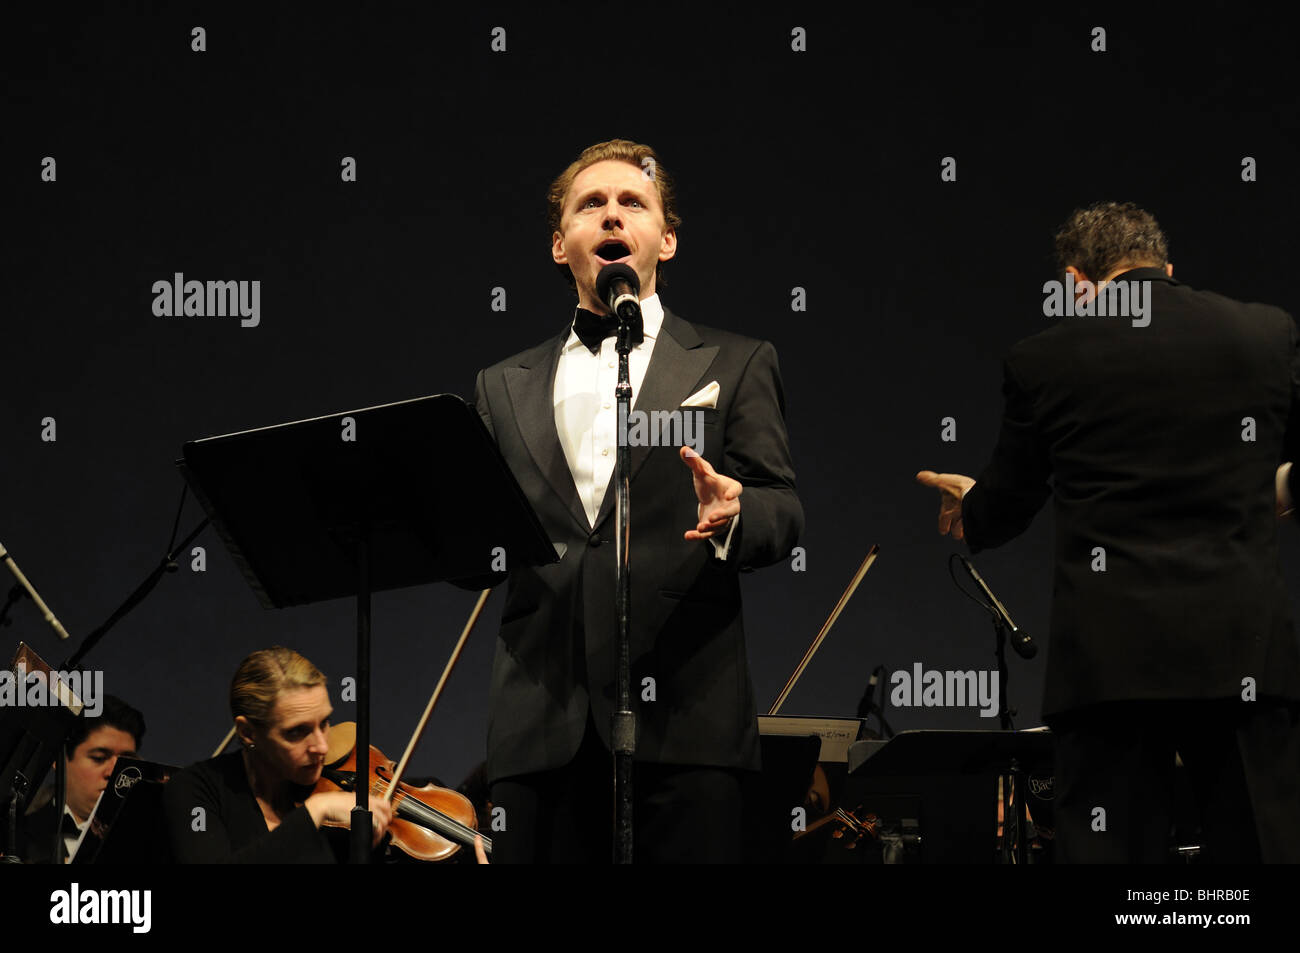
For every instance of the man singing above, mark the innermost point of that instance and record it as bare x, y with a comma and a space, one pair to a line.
697, 520
1161, 428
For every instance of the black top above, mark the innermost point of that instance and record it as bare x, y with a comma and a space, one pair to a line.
1159, 445
234, 829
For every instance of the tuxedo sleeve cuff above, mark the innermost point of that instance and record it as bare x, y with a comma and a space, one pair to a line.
720, 549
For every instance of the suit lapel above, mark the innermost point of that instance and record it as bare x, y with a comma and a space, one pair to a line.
532, 393
676, 365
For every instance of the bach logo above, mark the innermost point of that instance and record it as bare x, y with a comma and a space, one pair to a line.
126, 781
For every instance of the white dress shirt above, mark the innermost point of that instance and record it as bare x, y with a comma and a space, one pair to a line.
586, 413
70, 839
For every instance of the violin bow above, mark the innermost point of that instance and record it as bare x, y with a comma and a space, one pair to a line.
826, 628
437, 691
230, 735
424, 720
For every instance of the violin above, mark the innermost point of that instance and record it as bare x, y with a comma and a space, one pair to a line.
850, 828
429, 823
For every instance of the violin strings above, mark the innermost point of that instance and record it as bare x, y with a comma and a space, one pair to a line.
431, 816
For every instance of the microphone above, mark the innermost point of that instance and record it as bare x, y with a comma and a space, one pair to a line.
618, 287
868, 701
1020, 640
868, 707
40, 603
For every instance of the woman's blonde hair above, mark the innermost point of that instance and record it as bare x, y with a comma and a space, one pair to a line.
263, 676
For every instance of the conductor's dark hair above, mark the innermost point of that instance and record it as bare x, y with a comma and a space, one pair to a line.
116, 714
622, 150
1110, 235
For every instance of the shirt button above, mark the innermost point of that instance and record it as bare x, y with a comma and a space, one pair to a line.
607, 405
611, 363
605, 452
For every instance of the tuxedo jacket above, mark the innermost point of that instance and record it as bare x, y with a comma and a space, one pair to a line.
1159, 445
556, 652
36, 836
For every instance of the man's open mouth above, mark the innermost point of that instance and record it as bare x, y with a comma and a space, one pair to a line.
612, 251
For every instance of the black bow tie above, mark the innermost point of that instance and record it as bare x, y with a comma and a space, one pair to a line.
593, 328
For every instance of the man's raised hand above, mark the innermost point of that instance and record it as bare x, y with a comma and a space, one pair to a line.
952, 487
719, 496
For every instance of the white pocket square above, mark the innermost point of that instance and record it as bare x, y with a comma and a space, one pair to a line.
706, 397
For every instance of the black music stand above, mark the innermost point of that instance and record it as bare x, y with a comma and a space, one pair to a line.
949, 771
420, 494
30, 739
771, 793
127, 825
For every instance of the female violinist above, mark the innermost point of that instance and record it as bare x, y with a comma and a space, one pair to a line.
256, 805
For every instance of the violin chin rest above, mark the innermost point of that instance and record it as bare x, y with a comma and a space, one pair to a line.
343, 738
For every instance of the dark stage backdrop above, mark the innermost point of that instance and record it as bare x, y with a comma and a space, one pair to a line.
814, 168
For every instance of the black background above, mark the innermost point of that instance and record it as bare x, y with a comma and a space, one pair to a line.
815, 169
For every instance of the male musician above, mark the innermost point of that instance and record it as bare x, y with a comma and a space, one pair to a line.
1162, 433
93, 747
696, 521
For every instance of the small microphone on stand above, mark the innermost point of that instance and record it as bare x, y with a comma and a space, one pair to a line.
868, 707
867, 703
32, 593
1020, 640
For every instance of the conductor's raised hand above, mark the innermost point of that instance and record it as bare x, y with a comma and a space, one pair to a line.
952, 487
719, 496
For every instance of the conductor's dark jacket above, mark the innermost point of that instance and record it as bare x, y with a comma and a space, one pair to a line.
1160, 445
556, 653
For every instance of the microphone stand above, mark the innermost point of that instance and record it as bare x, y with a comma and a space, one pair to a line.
1005, 713
623, 720
989, 602
868, 706
1012, 781
1013, 849
166, 565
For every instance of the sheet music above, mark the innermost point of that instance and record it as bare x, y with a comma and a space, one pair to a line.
836, 733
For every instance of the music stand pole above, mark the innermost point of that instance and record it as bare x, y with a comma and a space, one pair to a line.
360, 830
1014, 782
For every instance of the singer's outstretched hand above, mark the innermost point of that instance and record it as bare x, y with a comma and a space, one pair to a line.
952, 487
719, 496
